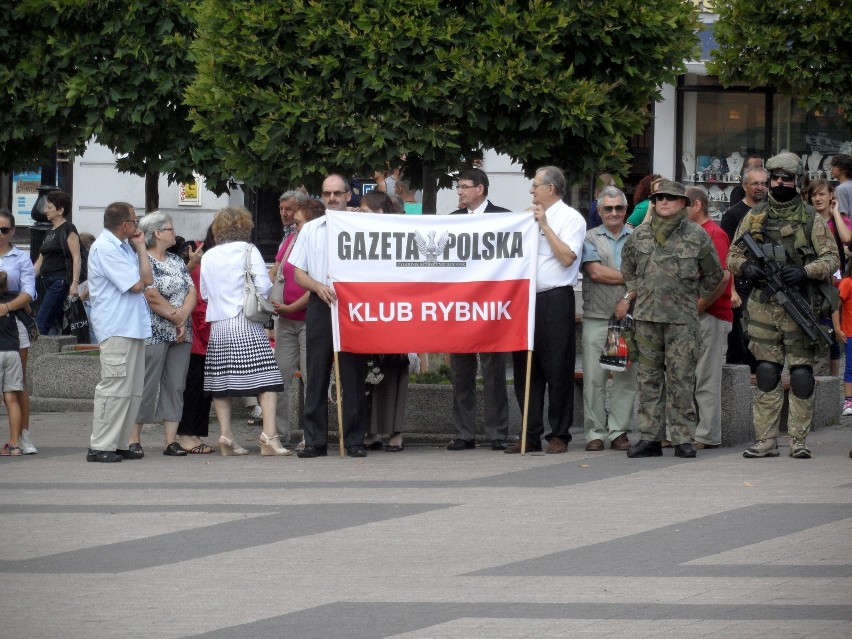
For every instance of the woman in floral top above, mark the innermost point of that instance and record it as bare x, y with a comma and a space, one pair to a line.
170, 301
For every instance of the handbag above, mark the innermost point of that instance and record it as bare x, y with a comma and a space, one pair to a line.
615, 355
74, 319
255, 306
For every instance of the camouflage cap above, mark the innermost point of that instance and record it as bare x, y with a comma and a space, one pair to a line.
787, 162
670, 187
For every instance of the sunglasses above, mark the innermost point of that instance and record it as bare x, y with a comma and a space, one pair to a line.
668, 197
5, 230
619, 208
783, 177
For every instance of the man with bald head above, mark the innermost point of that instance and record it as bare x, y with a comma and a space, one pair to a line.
560, 247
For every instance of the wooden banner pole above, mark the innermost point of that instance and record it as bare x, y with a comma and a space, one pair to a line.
339, 403
526, 404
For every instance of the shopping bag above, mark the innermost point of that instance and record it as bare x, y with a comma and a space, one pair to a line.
615, 356
74, 319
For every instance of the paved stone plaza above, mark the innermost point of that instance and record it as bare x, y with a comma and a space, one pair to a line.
424, 544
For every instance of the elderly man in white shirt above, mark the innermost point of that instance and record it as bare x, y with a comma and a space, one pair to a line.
309, 257
119, 272
560, 247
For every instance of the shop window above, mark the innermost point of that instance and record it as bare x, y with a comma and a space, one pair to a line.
816, 135
718, 129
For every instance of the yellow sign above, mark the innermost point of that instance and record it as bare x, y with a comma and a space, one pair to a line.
189, 193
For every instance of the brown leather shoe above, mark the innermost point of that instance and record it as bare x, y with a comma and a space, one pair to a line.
666, 444
620, 443
595, 444
702, 446
556, 446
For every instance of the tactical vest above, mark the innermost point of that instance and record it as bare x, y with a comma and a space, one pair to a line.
789, 242
599, 300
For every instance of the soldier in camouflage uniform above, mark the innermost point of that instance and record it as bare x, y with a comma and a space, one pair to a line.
667, 264
781, 226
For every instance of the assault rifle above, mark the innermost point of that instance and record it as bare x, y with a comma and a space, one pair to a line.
788, 298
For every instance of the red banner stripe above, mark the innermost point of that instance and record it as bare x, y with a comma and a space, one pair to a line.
433, 317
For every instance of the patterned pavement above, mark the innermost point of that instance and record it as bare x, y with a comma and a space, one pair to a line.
424, 544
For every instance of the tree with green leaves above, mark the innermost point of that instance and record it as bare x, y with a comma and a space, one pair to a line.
33, 123
289, 90
799, 48
112, 69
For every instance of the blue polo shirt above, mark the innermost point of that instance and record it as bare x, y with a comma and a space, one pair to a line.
113, 270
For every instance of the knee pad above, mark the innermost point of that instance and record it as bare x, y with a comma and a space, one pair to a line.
767, 374
802, 381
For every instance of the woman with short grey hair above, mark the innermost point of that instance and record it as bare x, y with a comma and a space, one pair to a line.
170, 302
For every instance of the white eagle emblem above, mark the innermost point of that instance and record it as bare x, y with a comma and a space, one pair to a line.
430, 249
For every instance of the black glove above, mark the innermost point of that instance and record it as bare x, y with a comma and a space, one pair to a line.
753, 273
793, 275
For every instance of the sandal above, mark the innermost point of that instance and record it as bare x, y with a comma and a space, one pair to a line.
201, 449
10, 451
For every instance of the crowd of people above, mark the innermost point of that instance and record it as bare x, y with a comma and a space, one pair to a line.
175, 340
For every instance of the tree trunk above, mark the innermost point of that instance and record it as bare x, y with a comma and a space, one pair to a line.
430, 188
152, 192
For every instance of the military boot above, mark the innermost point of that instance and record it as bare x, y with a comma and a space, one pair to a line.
763, 448
799, 450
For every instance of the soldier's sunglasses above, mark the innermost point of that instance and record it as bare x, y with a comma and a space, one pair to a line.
668, 197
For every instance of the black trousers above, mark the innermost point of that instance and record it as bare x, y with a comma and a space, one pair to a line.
553, 362
319, 354
738, 352
195, 419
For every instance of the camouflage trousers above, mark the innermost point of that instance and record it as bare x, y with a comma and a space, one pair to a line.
666, 379
774, 337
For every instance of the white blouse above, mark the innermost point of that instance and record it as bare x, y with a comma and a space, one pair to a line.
222, 279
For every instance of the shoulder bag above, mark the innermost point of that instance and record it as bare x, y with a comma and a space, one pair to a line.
255, 306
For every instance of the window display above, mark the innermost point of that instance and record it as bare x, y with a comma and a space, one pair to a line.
719, 128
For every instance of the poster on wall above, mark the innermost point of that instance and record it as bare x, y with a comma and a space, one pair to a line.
189, 193
24, 195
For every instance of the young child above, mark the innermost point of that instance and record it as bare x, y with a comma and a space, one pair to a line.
11, 372
842, 320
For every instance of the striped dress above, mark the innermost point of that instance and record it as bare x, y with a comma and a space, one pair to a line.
240, 361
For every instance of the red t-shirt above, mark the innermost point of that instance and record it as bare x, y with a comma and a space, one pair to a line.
846, 305
721, 308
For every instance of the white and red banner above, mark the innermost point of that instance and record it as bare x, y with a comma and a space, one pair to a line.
425, 284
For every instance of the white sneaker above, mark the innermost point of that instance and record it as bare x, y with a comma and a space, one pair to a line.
27, 447
847, 407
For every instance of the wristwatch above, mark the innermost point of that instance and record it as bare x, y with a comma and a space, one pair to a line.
626, 297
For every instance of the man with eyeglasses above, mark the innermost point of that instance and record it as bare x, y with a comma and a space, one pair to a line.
755, 185
670, 269
119, 272
801, 243
309, 257
560, 246
604, 295
473, 200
